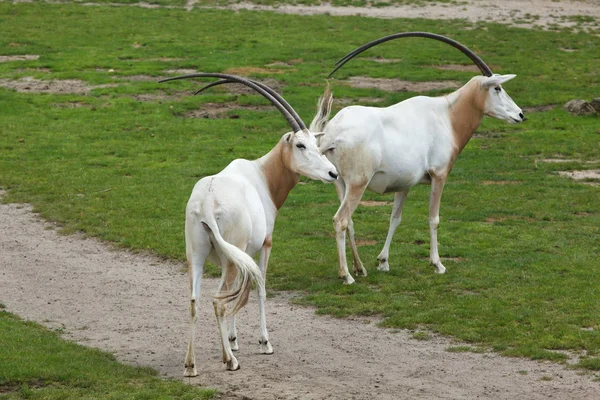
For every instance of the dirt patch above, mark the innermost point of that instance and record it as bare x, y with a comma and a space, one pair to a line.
545, 14
585, 176
24, 57
221, 110
373, 203
492, 220
382, 60
288, 63
136, 307
500, 182
246, 71
460, 67
72, 104
161, 96
344, 101
541, 108
181, 71
366, 243
67, 86
397, 85
139, 78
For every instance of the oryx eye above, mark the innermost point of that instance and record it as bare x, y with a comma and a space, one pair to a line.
498, 89
301, 146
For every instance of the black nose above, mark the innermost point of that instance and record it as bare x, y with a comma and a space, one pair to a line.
522, 116
333, 175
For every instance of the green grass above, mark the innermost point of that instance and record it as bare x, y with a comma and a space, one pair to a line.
37, 364
522, 278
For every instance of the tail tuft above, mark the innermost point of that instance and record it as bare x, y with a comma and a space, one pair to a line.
323, 110
248, 271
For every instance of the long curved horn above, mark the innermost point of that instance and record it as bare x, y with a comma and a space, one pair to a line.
233, 78
265, 87
485, 70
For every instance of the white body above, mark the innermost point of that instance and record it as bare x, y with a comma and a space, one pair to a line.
230, 217
392, 149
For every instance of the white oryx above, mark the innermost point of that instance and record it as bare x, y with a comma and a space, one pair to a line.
415, 141
230, 216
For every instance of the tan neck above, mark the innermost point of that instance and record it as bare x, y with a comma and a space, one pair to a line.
466, 112
279, 177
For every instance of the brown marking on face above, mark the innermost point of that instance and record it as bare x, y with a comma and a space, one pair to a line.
466, 114
280, 178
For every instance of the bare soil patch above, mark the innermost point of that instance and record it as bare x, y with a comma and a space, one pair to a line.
24, 57
588, 177
345, 101
382, 60
397, 85
374, 203
161, 96
246, 71
221, 110
360, 243
459, 67
544, 14
136, 306
67, 86
541, 108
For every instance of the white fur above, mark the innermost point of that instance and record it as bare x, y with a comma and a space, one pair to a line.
229, 217
392, 149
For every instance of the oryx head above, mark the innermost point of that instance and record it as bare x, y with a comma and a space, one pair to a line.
305, 158
300, 146
498, 103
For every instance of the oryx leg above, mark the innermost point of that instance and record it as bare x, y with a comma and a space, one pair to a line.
263, 261
198, 247
227, 282
437, 186
232, 333
352, 195
359, 269
395, 219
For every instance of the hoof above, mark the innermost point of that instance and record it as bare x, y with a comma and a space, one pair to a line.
440, 269
361, 271
265, 347
190, 372
233, 365
347, 280
383, 266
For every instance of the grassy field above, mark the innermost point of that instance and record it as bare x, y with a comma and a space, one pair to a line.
37, 364
119, 161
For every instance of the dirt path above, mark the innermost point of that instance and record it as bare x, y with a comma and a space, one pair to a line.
522, 13
136, 307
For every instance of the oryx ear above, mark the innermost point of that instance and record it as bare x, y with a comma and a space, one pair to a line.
287, 137
319, 134
496, 80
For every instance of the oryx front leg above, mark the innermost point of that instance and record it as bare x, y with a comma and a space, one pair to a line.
341, 220
437, 186
359, 269
263, 261
395, 220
